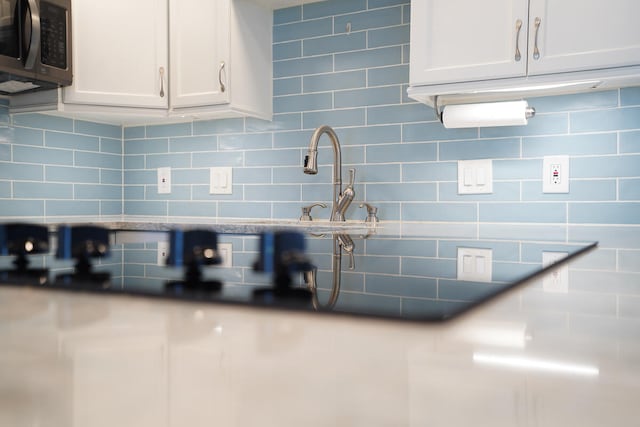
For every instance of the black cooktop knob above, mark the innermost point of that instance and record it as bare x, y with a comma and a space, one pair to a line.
21, 240
82, 243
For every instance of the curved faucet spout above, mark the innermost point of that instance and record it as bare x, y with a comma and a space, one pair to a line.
311, 164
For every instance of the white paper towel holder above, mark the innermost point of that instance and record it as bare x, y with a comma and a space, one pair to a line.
526, 112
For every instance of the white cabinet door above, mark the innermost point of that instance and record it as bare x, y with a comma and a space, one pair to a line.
578, 35
462, 40
119, 53
200, 37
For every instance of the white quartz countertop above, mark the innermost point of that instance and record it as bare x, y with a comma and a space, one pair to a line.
75, 359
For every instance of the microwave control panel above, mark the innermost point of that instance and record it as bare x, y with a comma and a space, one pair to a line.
53, 48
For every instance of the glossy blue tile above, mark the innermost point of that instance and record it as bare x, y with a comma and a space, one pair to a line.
418, 152
406, 192
287, 50
458, 212
396, 74
17, 208
630, 96
287, 86
24, 154
369, 19
434, 131
42, 190
388, 36
406, 14
517, 169
228, 158
605, 166
629, 189
189, 144
399, 114
538, 232
604, 213
573, 102
337, 118
132, 132
542, 124
210, 127
190, 176
606, 120
302, 66
586, 144
526, 212
113, 146
480, 149
134, 162
302, 30
98, 160
245, 141
98, 129
18, 171
5, 189
71, 141
176, 160
308, 102
146, 146
384, 3
294, 139
244, 210
43, 121
402, 247
368, 58
72, 208
163, 131
591, 190
97, 192
334, 81
5, 152
252, 175
333, 44
192, 209
109, 176
607, 236
331, 7
268, 193
147, 208
430, 171
288, 14
401, 286
72, 174
429, 267
464, 291
279, 122
140, 177
133, 192
26, 136
282, 157
367, 97
630, 142
630, 261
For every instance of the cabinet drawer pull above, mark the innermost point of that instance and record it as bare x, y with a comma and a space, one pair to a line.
536, 51
222, 87
518, 27
161, 82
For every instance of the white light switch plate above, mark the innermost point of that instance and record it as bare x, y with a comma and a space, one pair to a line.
475, 176
475, 264
163, 252
164, 180
221, 180
226, 253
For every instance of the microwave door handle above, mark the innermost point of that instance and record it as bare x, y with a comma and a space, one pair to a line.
35, 35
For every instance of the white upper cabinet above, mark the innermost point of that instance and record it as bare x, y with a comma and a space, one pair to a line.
199, 67
499, 46
461, 40
145, 61
119, 58
574, 35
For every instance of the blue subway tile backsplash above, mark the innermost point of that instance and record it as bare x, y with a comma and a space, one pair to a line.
344, 63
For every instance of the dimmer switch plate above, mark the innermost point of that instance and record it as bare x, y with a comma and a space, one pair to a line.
475, 264
221, 180
475, 176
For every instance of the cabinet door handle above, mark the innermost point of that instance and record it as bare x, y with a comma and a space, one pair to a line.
222, 87
161, 82
518, 27
536, 51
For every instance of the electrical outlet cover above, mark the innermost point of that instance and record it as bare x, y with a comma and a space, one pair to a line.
556, 280
164, 180
555, 174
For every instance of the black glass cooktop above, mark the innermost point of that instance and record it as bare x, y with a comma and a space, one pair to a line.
359, 272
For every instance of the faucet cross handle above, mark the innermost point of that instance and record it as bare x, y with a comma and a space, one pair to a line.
372, 212
306, 211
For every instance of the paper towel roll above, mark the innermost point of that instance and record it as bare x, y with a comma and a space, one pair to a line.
512, 113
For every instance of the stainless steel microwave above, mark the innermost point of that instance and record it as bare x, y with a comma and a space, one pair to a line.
35, 45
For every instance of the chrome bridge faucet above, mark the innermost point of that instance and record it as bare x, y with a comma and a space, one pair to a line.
341, 198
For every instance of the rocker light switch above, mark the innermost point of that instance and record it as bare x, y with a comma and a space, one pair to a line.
221, 180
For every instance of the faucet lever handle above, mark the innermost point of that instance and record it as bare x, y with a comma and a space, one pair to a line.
306, 211
352, 176
372, 212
